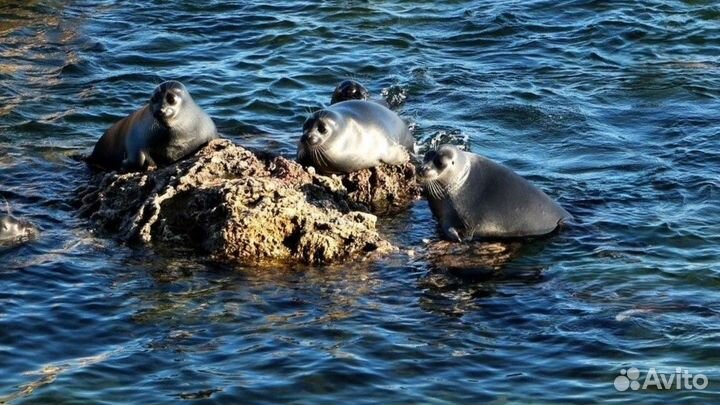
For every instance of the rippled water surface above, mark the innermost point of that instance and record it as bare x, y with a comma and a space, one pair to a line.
611, 107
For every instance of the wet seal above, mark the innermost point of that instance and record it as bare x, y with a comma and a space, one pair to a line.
354, 135
170, 127
352, 90
474, 197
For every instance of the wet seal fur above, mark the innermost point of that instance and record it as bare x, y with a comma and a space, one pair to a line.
170, 127
474, 197
354, 135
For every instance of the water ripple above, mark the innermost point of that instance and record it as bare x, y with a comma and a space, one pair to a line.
609, 107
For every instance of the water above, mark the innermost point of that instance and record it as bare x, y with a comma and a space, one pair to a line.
612, 107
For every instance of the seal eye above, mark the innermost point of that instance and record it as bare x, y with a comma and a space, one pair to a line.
321, 127
171, 99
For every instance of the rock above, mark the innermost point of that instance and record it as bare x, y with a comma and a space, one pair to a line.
476, 260
235, 205
383, 190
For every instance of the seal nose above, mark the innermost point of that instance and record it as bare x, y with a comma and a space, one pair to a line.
313, 139
166, 111
310, 138
428, 170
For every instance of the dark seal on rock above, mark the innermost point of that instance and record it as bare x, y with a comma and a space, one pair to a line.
170, 127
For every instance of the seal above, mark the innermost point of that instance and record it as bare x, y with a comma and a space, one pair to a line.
472, 196
170, 127
349, 90
354, 135
14, 231
352, 90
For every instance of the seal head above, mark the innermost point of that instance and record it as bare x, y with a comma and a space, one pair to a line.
349, 90
318, 128
167, 101
184, 128
443, 170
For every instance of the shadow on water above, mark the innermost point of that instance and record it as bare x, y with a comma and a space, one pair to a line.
459, 276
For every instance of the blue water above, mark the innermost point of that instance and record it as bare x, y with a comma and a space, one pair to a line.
611, 107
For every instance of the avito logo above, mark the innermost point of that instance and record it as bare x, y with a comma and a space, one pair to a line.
682, 379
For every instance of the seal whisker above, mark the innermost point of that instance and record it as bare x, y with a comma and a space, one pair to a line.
301, 154
429, 188
317, 157
437, 189
314, 158
322, 156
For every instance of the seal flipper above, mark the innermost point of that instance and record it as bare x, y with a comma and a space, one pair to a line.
452, 234
451, 223
142, 161
147, 161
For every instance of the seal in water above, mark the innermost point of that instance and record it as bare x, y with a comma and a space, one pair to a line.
14, 231
349, 90
472, 196
352, 90
354, 135
170, 127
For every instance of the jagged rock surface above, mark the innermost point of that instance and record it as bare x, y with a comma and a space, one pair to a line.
235, 205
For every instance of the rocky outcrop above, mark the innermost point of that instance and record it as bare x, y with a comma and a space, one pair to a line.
235, 205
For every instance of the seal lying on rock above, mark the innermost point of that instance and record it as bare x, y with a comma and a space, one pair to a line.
354, 135
170, 127
472, 196
352, 90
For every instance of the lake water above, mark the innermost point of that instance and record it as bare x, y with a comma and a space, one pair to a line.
611, 107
